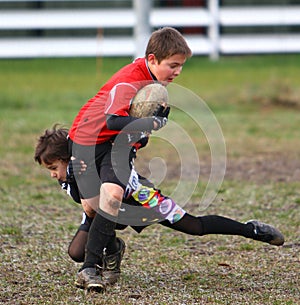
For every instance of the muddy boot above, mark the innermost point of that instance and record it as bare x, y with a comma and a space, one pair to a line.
112, 263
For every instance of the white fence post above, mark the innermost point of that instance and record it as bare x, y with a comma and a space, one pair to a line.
213, 29
141, 17
142, 27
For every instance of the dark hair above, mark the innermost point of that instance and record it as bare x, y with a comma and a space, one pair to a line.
167, 42
52, 146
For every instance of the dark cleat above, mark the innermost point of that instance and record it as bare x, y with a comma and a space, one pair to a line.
90, 279
112, 263
266, 233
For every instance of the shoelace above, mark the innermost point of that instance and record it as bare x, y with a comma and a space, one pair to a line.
99, 269
111, 265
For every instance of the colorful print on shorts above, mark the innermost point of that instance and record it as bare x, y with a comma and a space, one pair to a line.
164, 206
147, 196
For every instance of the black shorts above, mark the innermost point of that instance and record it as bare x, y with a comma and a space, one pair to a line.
104, 164
143, 203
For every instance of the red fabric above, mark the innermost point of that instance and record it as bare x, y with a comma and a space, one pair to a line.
89, 126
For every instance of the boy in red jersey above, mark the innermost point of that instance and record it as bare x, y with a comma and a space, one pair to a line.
106, 137
93, 133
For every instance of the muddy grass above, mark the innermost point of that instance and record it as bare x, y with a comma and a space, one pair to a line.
162, 266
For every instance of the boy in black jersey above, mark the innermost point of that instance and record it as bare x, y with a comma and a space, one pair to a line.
52, 152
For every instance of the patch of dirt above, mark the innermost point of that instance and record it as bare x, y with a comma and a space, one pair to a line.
257, 168
265, 167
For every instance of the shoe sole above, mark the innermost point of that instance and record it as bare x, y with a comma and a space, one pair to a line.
95, 288
90, 287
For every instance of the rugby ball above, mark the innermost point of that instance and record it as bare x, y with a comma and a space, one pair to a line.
148, 99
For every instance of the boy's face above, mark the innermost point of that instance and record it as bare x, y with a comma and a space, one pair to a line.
167, 69
57, 169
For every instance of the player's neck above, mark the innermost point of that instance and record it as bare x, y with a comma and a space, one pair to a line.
151, 73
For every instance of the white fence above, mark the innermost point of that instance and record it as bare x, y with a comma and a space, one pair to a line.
142, 20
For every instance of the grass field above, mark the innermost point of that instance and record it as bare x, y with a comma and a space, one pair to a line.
256, 101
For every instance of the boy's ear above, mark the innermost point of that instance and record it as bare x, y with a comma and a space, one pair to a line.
151, 58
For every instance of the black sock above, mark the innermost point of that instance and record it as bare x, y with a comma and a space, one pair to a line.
214, 224
102, 231
211, 224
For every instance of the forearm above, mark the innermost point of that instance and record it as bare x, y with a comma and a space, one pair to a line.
115, 122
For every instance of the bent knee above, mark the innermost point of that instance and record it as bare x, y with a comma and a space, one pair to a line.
111, 196
112, 189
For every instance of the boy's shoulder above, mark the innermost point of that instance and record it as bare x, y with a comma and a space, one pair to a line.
135, 71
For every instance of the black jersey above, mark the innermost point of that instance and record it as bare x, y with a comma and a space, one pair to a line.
70, 185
